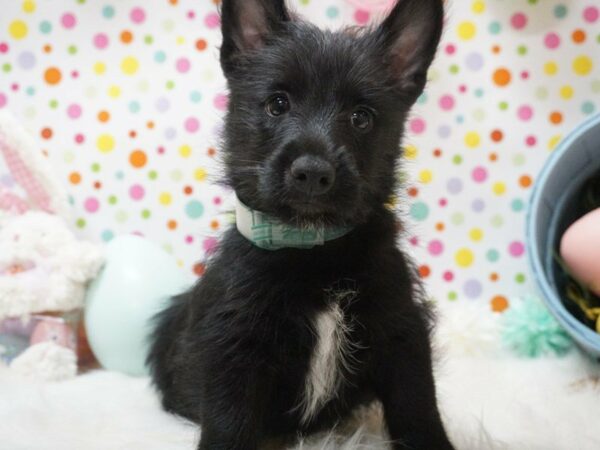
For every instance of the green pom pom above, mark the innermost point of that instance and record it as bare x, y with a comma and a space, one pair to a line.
530, 331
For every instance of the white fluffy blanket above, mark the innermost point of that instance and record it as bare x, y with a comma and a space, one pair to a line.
488, 403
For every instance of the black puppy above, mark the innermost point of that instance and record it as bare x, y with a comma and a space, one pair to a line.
309, 309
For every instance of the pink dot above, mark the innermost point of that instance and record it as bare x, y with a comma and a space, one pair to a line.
448, 276
74, 111
531, 141
3, 47
417, 126
552, 40
189, 239
447, 102
210, 245
516, 249
443, 202
414, 241
191, 15
192, 125
436, 248
138, 15
217, 200
137, 192
519, 21
462, 89
3, 100
92, 205
221, 102
212, 20
68, 20
183, 65
479, 174
79, 138
101, 40
525, 113
450, 49
525, 75
591, 14
362, 17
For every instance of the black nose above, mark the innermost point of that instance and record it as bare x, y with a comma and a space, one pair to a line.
312, 175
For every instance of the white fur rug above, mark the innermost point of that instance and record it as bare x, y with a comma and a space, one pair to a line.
495, 402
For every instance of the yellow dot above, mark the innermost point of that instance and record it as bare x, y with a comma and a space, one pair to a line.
411, 152
29, 6
499, 188
425, 176
467, 30
18, 29
200, 174
478, 7
114, 91
566, 92
165, 198
180, 40
464, 258
105, 143
472, 139
130, 65
550, 68
185, 151
99, 68
582, 65
554, 141
476, 234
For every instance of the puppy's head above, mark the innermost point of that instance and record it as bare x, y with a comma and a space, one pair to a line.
315, 117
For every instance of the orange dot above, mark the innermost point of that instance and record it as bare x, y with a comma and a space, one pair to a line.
126, 37
525, 181
211, 152
502, 77
578, 36
199, 269
494, 277
46, 133
132, 134
52, 75
437, 153
173, 2
493, 157
138, 159
497, 135
496, 49
103, 116
172, 224
201, 45
556, 118
150, 125
499, 304
97, 185
75, 178
424, 271
47, 48
214, 224
188, 190
413, 191
440, 227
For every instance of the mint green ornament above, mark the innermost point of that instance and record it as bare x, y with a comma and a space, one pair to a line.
529, 330
137, 280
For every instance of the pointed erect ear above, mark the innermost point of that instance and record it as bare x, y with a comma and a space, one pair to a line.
247, 25
410, 35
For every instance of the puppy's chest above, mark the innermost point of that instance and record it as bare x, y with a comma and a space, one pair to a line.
331, 361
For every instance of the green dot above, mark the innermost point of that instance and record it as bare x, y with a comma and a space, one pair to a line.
541, 93
96, 167
457, 159
170, 85
495, 27
503, 106
149, 40
176, 175
45, 27
452, 296
419, 211
517, 205
121, 216
457, 219
152, 175
194, 209
519, 159
112, 200
520, 278
146, 214
596, 86
6, 67
492, 255
454, 69
53, 104
497, 221
532, 2
560, 11
81, 2
80, 223
522, 50
72, 50
69, 157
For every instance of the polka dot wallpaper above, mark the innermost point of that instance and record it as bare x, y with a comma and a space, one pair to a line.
126, 98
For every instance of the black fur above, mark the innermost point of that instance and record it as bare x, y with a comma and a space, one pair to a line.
233, 353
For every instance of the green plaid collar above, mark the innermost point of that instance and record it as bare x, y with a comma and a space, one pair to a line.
267, 233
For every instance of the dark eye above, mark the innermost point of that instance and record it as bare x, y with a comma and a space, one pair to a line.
278, 105
362, 120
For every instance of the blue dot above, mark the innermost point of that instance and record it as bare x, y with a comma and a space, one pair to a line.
560, 11
196, 97
422, 99
517, 205
107, 235
333, 12
495, 27
160, 56
108, 12
45, 27
493, 255
120, 175
588, 108
30, 91
460, 119
479, 93
194, 209
419, 211
134, 107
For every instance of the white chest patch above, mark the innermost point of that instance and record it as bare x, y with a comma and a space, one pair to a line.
329, 357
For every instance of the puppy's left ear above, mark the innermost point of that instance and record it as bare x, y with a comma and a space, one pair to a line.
410, 36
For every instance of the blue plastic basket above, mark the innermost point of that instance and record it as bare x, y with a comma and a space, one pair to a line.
551, 210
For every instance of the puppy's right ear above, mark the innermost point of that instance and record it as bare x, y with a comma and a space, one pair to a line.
247, 25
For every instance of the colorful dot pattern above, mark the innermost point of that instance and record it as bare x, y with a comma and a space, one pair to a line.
126, 99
